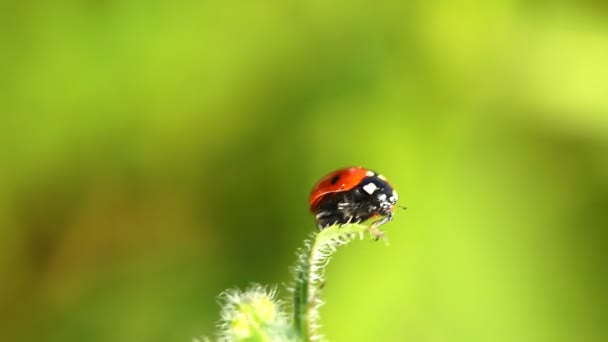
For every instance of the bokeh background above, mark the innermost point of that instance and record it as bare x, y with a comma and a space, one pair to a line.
154, 153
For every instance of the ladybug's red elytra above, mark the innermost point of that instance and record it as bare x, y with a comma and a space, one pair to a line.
352, 194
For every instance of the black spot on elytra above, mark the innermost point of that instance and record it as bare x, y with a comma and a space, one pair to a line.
334, 180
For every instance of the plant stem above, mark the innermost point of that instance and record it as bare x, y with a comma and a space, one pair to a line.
309, 271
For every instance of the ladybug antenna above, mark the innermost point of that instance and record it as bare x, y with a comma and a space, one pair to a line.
402, 207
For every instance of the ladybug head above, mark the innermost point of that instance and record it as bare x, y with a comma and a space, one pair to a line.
381, 197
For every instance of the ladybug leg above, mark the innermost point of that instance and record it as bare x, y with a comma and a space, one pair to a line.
326, 219
347, 212
348, 219
375, 231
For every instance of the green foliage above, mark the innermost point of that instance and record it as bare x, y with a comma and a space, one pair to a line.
256, 315
253, 315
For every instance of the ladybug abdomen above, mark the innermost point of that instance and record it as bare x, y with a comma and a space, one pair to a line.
338, 208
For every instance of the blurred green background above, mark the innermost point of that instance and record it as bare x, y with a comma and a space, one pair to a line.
154, 153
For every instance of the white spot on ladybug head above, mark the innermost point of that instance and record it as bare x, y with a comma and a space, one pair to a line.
382, 177
382, 197
369, 173
370, 188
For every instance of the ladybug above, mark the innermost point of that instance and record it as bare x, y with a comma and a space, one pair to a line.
352, 194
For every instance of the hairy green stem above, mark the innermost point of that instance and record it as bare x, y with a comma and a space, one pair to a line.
309, 271
256, 315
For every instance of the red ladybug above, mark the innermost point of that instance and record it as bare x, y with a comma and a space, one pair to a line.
352, 194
